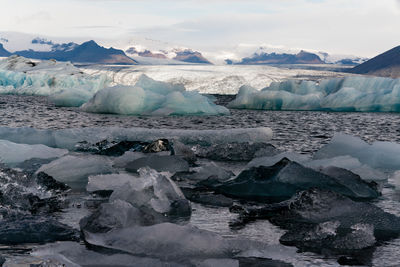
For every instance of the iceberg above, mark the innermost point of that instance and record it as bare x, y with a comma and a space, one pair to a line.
353, 93
65, 84
149, 97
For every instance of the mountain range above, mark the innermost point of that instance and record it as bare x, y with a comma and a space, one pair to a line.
139, 50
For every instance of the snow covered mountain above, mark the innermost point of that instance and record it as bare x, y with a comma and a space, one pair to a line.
87, 52
45, 48
145, 51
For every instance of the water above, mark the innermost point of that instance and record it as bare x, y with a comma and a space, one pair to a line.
303, 132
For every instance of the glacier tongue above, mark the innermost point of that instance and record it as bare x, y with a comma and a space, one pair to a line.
353, 93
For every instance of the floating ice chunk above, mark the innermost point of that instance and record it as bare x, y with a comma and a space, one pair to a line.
210, 170
317, 220
164, 241
154, 192
68, 138
74, 170
236, 151
129, 156
282, 180
351, 93
272, 160
75, 255
380, 155
349, 163
12, 153
149, 97
108, 182
159, 163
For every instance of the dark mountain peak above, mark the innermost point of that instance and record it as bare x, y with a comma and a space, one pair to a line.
3, 51
90, 44
190, 56
302, 57
308, 58
386, 64
87, 52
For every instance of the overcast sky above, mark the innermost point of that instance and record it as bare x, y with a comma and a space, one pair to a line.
359, 27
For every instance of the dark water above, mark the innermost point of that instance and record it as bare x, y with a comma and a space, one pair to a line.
303, 132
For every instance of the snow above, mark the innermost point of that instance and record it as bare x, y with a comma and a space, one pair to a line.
149, 97
353, 93
12, 153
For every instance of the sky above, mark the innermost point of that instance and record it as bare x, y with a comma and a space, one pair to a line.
356, 27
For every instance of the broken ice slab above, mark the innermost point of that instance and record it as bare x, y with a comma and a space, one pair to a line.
75, 170
68, 138
13, 153
282, 180
379, 155
159, 163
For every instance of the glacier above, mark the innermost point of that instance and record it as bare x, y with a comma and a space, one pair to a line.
353, 93
150, 97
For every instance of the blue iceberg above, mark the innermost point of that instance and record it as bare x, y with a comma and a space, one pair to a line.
65, 84
149, 97
353, 93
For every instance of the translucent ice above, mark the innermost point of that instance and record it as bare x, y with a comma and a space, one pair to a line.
351, 93
346, 162
156, 192
164, 241
159, 163
149, 97
74, 254
380, 155
12, 153
282, 180
74, 170
68, 138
